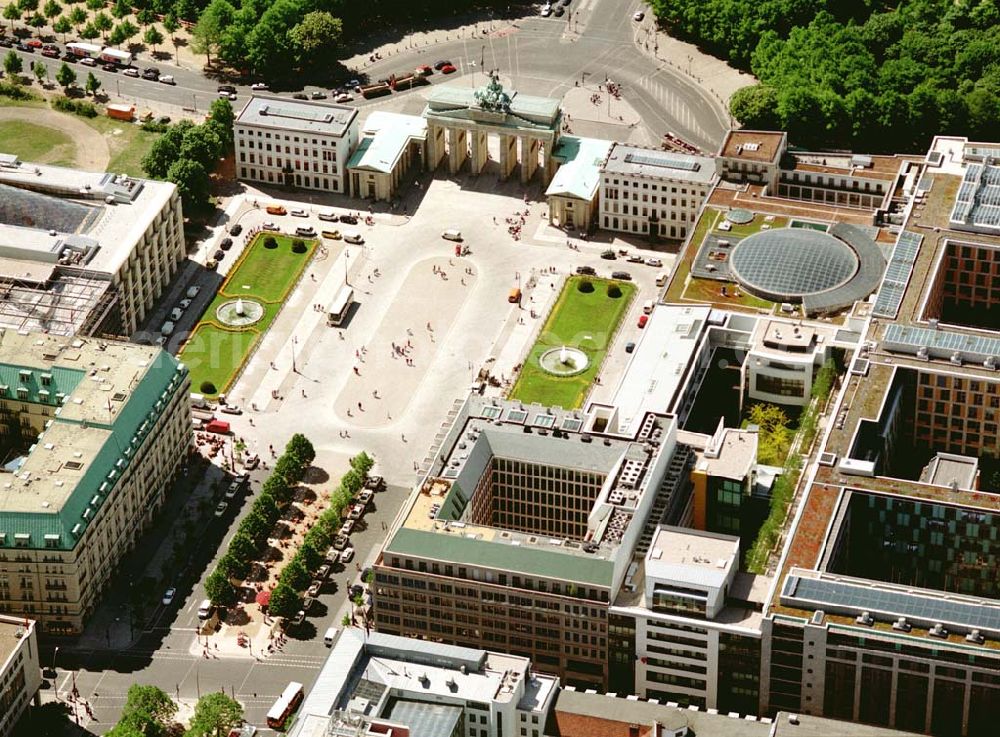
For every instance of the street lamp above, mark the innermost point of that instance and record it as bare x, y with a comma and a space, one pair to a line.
347, 255
295, 340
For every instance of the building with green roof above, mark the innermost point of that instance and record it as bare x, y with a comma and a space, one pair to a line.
93, 434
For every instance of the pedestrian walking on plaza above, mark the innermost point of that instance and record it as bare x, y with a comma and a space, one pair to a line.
375, 393
403, 437
360, 408
356, 371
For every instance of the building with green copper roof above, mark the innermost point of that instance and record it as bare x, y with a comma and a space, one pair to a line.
93, 433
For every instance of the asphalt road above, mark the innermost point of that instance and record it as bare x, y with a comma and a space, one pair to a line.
545, 56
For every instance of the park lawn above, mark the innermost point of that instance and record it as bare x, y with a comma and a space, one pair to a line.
38, 143
216, 354
128, 144
268, 272
587, 321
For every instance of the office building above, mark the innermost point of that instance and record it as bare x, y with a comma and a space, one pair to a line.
20, 673
751, 156
295, 143
653, 192
84, 253
374, 683
572, 195
391, 146
94, 432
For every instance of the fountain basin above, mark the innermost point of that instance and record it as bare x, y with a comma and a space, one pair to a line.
564, 361
239, 313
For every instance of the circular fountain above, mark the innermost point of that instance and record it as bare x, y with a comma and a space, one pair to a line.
564, 361
239, 312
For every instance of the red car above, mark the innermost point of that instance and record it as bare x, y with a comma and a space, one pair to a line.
33, 42
51, 53
448, 69
643, 319
424, 70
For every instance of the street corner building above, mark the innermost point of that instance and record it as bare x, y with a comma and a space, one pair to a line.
93, 434
20, 672
84, 253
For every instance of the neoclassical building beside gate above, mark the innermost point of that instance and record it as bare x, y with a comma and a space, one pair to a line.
459, 121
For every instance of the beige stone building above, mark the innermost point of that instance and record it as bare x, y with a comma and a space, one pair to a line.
20, 674
93, 433
84, 253
391, 146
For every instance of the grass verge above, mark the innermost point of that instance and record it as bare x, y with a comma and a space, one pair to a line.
37, 143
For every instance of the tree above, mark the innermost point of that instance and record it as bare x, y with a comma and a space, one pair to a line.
289, 466
242, 546
221, 118
12, 13
201, 144
234, 567
211, 25
40, 71
295, 574
301, 446
285, 602
153, 37
151, 702
92, 85
62, 26
52, 9
77, 16
316, 37
362, 463
65, 76
312, 556
89, 32
170, 25
164, 152
754, 106
12, 64
37, 21
192, 183
103, 23
94, 4
352, 481
28, 6
255, 527
774, 437
278, 488
267, 506
214, 715
220, 589
121, 9
123, 32
145, 16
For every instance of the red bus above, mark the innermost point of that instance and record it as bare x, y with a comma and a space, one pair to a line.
287, 703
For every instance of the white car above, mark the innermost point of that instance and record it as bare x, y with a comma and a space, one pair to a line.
298, 214
347, 555
192, 292
232, 96
221, 509
343, 97
176, 314
131, 72
652, 261
168, 597
166, 79
546, 11
269, 226
88, 62
638, 16
259, 86
184, 303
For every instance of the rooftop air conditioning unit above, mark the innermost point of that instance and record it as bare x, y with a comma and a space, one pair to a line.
975, 636
865, 618
901, 625
938, 630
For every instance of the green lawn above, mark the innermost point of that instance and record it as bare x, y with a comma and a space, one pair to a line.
127, 142
587, 321
215, 353
38, 143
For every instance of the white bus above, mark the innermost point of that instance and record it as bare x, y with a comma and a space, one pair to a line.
340, 306
285, 705
83, 49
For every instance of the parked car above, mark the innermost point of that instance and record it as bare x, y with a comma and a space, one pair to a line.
230, 409
259, 86
323, 571
586, 270
219, 255
300, 96
176, 314
192, 292
68, 56
643, 319
330, 217
318, 95
638, 16
365, 497
226, 243
151, 73
51, 53
347, 527
356, 511
448, 69
629, 347
441, 64
221, 508
546, 11
236, 229
233, 489
166, 79
609, 255
623, 275
88, 62
313, 590
343, 97
347, 555
340, 542
211, 264
168, 597
8, 43
276, 210
375, 483
131, 72
269, 226
34, 43
226, 88
184, 303
252, 462
558, 11
299, 213
424, 69
635, 258
350, 219
653, 261
300, 617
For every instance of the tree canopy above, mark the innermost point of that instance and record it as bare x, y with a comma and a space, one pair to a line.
214, 715
866, 74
